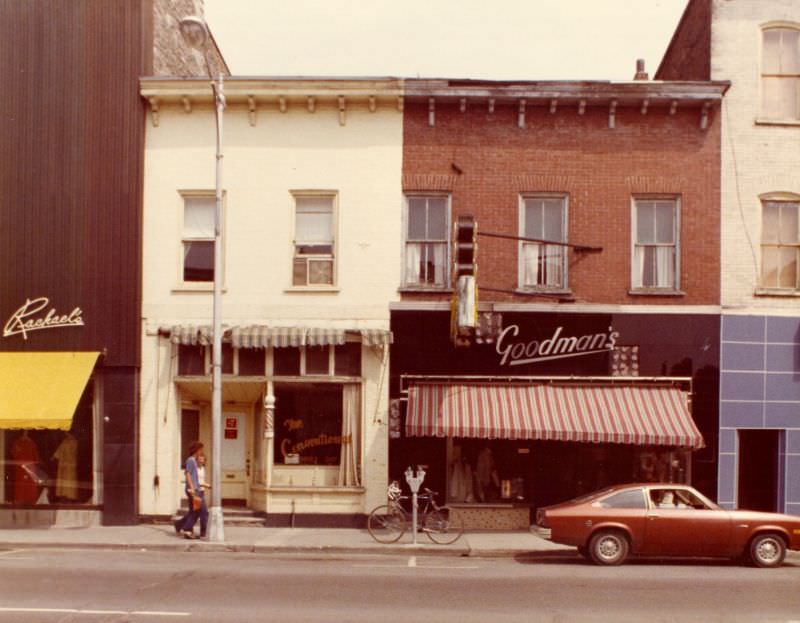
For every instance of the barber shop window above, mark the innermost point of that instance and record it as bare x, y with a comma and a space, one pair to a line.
329, 360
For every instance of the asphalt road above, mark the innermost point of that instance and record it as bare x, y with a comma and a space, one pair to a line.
103, 586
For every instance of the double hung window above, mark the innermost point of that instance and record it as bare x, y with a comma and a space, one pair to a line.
780, 245
542, 265
655, 248
780, 74
427, 241
314, 240
198, 238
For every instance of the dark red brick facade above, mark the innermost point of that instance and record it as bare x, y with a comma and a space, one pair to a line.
688, 56
485, 160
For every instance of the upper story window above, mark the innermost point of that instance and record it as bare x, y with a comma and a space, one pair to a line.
542, 265
313, 240
655, 244
198, 238
427, 239
780, 73
780, 244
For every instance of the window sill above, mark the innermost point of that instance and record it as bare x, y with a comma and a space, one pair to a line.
314, 489
656, 292
559, 292
785, 122
777, 292
203, 286
312, 289
417, 289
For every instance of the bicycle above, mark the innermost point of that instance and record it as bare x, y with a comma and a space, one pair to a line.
388, 522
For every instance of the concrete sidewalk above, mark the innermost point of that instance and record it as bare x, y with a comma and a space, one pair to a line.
275, 540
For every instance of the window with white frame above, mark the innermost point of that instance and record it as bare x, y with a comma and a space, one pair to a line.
313, 240
780, 245
427, 236
655, 247
780, 73
542, 265
198, 238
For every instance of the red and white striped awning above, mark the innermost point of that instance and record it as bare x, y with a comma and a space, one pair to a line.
632, 414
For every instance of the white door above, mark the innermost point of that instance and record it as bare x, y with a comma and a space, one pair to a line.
235, 459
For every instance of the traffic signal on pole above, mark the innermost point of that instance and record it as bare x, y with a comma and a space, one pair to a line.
466, 246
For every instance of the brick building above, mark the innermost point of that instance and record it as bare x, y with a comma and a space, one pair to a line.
602, 201
754, 45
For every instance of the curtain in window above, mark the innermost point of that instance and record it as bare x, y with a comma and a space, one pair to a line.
543, 265
438, 263
413, 256
638, 267
665, 267
351, 415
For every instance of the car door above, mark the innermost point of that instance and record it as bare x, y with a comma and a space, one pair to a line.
684, 526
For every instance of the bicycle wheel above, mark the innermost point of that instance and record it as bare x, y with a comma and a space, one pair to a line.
442, 526
386, 524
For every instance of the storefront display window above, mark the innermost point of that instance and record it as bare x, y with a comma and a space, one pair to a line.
308, 424
51, 467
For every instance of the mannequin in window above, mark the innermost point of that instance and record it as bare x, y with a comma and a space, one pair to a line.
67, 476
486, 477
24, 451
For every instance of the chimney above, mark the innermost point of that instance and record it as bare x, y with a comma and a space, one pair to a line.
641, 74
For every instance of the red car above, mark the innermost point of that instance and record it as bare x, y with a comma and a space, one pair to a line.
666, 520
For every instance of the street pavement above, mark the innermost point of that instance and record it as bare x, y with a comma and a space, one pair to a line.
286, 540
268, 540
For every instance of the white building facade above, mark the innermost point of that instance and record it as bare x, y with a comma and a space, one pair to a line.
311, 222
755, 44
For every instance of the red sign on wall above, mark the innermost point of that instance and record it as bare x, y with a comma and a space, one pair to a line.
230, 422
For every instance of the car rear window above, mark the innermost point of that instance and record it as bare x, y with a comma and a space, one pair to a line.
625, 499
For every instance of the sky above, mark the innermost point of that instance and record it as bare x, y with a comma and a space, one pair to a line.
479, 39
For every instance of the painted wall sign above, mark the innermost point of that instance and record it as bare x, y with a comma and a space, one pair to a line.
33, 317
520, 352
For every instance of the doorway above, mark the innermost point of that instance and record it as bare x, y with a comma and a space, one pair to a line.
758, 470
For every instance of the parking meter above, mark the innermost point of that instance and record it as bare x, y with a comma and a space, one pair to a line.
414, 481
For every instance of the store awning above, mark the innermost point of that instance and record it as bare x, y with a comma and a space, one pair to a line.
643, 415
42, 390
261, 336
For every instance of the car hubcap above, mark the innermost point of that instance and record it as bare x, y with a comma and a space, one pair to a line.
609, 548
767, 550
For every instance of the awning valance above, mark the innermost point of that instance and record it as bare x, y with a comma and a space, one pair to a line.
42, 390
261, 336
642, 415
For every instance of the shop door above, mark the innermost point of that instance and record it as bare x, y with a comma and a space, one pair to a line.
758, 470
235, 451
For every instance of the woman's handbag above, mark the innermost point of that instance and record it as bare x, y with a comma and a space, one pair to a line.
197, 503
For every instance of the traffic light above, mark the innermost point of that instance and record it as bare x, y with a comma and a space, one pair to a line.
466, 246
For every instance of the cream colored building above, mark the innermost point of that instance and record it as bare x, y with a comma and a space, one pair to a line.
311, 229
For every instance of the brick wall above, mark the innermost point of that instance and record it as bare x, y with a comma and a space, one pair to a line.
688, 56
600, 169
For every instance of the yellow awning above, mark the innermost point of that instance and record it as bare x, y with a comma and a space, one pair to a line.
42, 390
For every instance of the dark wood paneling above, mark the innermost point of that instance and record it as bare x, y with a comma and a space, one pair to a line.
71, 168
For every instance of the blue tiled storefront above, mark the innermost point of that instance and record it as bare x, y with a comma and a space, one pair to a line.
759, 416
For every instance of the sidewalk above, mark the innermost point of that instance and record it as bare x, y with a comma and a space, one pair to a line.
276, 540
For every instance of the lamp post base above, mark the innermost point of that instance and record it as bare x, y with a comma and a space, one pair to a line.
216, 525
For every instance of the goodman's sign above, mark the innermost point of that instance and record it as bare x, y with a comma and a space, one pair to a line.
516, 352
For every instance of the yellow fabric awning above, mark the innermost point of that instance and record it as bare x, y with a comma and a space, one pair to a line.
42, 390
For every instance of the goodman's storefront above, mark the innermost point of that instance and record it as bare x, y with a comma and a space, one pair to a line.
547, 406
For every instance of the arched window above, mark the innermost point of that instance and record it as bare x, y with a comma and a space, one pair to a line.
780, 241
780, 73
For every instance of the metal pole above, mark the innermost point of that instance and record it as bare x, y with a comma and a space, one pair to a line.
216, 520
414, 506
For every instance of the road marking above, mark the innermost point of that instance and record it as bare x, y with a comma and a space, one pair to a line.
412, 561
155, 613
415, 566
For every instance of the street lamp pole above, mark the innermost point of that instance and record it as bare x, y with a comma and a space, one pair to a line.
195, 32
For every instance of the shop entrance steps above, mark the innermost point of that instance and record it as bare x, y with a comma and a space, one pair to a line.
233, 516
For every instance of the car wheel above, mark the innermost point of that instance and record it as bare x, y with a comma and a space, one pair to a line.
609, 547
767, 550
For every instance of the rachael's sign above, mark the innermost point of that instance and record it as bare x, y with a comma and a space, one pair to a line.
36, 315
515, 351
